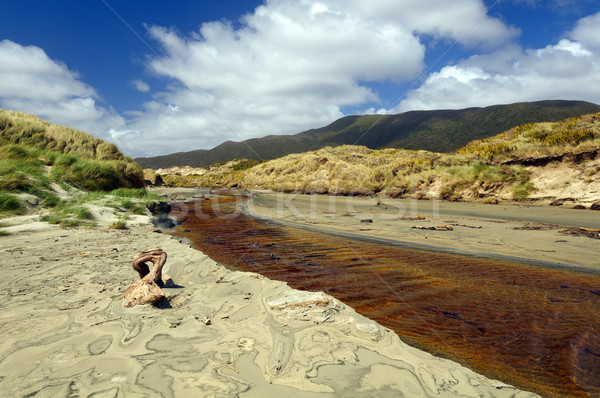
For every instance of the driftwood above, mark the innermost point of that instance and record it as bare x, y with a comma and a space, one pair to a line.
438, 228
147, 290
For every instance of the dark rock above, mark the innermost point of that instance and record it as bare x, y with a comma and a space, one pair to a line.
579, 207
595, 206
159, 208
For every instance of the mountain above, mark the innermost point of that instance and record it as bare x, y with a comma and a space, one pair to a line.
438, 131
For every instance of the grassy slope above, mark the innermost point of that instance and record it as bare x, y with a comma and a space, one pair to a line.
486, 169
36, 157
440, 131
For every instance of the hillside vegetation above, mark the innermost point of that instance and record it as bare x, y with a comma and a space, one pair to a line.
506, 166
46, 166
438, 131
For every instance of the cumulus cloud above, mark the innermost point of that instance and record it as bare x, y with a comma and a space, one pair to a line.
292, 65
140, 86
569, 69
586, 31
32, 82
464, 21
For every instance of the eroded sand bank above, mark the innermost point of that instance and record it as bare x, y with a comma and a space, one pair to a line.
221, 333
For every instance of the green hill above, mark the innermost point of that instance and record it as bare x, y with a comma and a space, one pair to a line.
438, 131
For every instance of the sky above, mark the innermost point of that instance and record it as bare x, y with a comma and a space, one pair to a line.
157, 77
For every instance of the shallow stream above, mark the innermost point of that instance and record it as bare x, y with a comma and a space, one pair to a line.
533, 327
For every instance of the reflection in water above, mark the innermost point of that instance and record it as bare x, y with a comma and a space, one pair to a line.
535, 328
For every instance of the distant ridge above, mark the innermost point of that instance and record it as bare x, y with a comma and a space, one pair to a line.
438, 131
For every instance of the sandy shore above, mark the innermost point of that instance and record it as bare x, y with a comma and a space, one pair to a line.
220, 333
528, 232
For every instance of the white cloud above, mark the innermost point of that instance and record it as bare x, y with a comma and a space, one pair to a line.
464, 21
32, 82
569, 69
293, 64
287, 66
587, 31
140, 86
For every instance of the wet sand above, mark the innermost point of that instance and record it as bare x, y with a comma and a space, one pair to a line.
220, 332
531, 324
534, 233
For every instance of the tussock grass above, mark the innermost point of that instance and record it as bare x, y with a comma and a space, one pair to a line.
344, 170
481, 169
10, 204
34, 154
96, 175
119, 224
538, 140
219, 175
31, 131
69, 215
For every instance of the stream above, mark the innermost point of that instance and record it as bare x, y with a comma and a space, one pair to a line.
533, 327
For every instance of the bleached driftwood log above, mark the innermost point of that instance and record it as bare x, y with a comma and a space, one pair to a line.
148, 288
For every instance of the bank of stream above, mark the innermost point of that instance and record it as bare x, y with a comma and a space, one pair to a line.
534, 327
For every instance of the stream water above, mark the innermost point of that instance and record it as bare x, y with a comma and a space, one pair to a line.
530, 326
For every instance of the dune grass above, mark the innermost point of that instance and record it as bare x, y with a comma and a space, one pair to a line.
538, 140
30, 145
10, 204
35, 155
119, 224
74, 212
30, 131
480, 169
218, 175
68, 215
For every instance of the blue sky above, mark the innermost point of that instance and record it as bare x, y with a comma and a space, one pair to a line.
157, 77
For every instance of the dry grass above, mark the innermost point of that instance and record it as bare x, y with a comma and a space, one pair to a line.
356, 170
538, 140
339, 170
34, 154
220, 175
478, 171
29, 130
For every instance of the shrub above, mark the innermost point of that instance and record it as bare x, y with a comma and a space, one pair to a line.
485, 150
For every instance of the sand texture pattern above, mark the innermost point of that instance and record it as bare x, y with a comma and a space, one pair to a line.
65, 331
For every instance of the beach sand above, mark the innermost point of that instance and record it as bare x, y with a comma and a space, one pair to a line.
531, 233
224, 333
